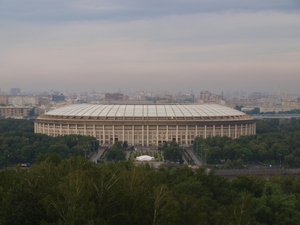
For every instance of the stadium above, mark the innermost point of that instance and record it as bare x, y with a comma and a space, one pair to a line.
146, 125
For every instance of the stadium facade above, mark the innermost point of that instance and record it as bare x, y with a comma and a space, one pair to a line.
146, 125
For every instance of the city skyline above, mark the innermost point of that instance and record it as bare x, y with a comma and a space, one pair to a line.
155, 46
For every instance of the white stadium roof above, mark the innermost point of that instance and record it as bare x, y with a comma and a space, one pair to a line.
145, 111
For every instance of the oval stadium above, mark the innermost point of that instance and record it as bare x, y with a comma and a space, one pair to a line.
146, 125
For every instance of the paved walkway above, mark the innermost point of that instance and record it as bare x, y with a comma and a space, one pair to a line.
195, 158
127, 154
96, 155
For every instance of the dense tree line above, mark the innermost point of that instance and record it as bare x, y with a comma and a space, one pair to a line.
76, 191
19, 144
172, 152
116, 152
12, 126
273, 144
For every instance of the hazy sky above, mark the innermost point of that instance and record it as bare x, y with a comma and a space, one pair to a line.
151, 45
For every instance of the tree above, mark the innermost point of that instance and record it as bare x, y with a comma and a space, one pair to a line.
165, 209
274, 207
117, 145
252, 184
50, 157
60, 149
125, 145
115, 155
173, 153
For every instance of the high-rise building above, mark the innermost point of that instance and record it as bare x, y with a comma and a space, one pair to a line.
15, 91
58, 98
114, 97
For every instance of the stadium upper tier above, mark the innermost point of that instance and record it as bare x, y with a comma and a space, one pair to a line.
185, 112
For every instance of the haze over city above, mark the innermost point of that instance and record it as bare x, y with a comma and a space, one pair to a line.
152, 45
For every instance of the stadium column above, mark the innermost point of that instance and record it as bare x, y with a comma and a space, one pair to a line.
123, 133
186, 135
147, 135
142, 135
68, 128
241, 129
54, 130
60, 129
177, 134
204, 131
196, 131
235, 131
222, 130
246, 129
103, 134
84, 129
113, 133
48, 129
132, 138
43, 128
76, 129
156, 135
167, 133
214, 130
229, 131
94, 130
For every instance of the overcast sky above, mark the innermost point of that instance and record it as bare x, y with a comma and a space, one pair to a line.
150, 45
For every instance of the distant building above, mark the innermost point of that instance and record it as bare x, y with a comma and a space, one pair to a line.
58, 98
277, 109
186, 98
291, 103
11, 111
114, 97
15, 91
43, 101
207, 97
255, 96
288, 97
21, 100
247, 109
204, 96
3, 99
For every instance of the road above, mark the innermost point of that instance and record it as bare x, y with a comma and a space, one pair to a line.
96, 155
195, 158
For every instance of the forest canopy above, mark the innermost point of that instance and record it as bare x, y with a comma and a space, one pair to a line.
76, 191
